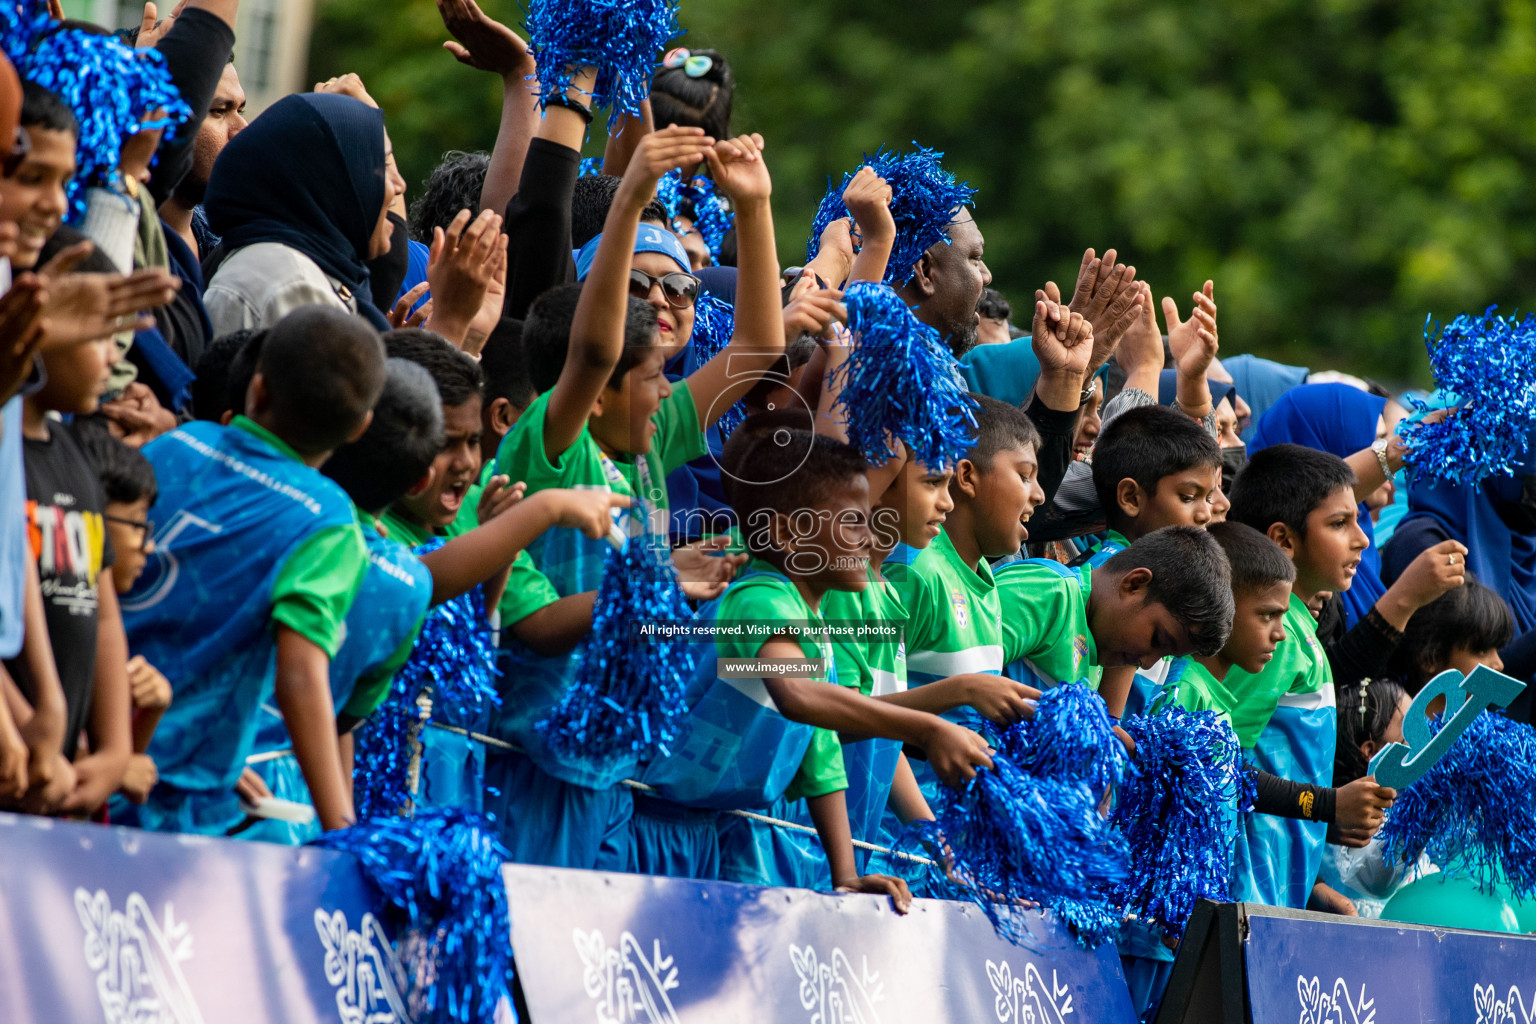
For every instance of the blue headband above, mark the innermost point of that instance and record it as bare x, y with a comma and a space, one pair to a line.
649, 238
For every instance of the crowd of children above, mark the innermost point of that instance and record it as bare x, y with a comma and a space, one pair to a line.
270, 449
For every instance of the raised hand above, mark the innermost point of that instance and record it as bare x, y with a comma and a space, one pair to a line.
22, 331
660, 153
868, 198
738, 169
1106, 297
813, 311
498, 495
85, 307
1062, 339
460, 266
400, 314
152, 28
349, 84
484, 43
1193, 342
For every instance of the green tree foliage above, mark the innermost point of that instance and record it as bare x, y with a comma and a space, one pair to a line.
1341, 168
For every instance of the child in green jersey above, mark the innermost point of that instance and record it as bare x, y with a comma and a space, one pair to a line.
1153, 467
1304, 501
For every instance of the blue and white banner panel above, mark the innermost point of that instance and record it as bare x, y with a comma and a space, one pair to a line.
626, 949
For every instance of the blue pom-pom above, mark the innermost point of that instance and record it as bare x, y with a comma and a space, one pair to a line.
900, 384
713, 216
1488, 363
110, 87
1178, 809
626, 700
440, 875
924, 198
1070, 737
1472, 812
621, 38
1010, 839
590, 167
453, 659
714, 321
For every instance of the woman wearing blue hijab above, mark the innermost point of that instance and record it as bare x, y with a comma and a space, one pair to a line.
301, 199
1361, 627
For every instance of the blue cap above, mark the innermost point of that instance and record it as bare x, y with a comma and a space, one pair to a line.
650, 238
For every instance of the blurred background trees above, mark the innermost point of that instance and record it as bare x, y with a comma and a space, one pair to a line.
1342, 168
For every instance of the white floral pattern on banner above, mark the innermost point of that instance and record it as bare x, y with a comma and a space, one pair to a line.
363, 967
630, 988
1336, 1007
1028, 999
137, 960
833, 991
1510, 1010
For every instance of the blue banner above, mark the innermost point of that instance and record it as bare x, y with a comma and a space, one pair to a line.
1332, 970
629, 949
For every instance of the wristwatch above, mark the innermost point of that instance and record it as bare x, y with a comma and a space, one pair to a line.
1379, 449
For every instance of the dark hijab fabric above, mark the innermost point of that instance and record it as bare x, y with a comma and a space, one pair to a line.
309, 174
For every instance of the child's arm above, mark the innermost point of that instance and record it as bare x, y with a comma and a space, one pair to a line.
44, 727
868, 198
556, 628
98, 775
740, 173
13, 756
597, 332
620, 148
1193, 344
829, 812
998, 698
906, 798
1115, 688
151, 694
954, 752
303, 693
481, 553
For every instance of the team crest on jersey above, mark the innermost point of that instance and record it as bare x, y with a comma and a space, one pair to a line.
1079, 651
962, 610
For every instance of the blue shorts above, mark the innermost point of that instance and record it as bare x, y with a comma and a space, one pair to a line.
675, 841
759, 854
544, 820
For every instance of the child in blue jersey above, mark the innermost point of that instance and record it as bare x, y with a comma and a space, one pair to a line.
609, 420
128, 484
258, 559
802, 500
1303, 500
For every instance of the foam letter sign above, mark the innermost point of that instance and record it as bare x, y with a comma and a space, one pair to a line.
1399, 765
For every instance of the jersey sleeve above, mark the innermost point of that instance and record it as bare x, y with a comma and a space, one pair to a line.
915, 593
373, 686
760, 604
821, 771
1033, 612
527, 591
679, 438
317, 583
521, 456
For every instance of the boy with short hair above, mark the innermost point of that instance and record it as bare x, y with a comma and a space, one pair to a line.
65, 514
609, 419
1304, 501
1152, 467
259, 559
1167, 594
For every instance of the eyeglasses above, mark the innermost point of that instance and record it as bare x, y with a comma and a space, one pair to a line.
146, 526
694, 65
20, 149
679, 288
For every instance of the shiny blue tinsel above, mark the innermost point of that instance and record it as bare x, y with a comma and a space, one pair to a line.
626, 700
621, 38
1010, 839
110, 87
440, 874
900, 384
1178, 809
714, 321
1070, 738
590, 167
455, 660
698, 199
924, 197
1473, 810
1490, 362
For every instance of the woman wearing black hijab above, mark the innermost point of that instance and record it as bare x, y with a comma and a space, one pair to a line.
300, 199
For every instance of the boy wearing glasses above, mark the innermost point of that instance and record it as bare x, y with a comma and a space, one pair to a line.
608, 418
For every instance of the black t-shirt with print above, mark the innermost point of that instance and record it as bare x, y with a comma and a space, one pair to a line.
69, 540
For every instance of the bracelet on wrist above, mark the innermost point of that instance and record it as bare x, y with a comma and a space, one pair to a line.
564, 100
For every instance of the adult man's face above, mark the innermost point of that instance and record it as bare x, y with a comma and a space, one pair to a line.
948, 283
225, 120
